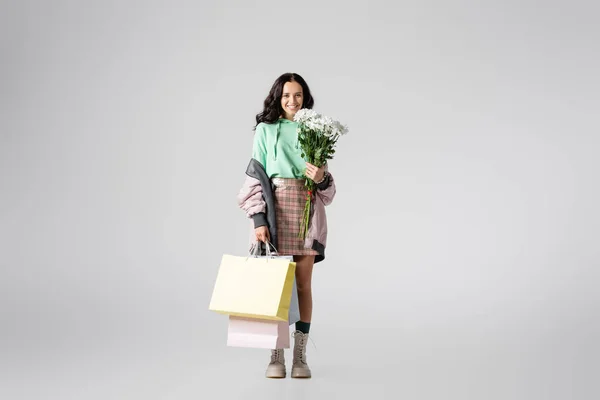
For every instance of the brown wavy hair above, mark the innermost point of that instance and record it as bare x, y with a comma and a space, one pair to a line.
272, 104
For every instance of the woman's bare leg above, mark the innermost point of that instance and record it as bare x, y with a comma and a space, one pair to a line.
304, 268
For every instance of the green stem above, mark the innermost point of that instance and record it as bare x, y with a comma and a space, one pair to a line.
304, 223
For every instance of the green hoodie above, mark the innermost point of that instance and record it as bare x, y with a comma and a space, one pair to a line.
276, 147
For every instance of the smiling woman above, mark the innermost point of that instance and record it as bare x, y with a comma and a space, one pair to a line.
274, 195
289, 88
291, 99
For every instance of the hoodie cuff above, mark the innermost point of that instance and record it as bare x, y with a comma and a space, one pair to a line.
260, 219
325, 184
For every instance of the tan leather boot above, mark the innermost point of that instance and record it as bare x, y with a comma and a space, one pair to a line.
300, 368
276, 368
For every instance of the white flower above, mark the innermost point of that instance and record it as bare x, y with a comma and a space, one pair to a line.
320, 124
339, 129
305, 114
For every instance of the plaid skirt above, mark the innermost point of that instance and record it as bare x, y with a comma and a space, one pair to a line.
290, 197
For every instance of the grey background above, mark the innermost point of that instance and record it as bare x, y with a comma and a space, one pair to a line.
462, 254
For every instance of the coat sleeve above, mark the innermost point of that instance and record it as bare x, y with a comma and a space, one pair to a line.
327, 194
250, 197
251, 201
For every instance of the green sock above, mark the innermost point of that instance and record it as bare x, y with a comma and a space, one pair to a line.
303, 327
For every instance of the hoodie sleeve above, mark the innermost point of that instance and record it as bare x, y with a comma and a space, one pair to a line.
259, 146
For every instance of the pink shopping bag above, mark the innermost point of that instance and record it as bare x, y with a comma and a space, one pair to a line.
258, 333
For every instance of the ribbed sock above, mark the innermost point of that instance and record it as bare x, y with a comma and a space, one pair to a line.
303, 327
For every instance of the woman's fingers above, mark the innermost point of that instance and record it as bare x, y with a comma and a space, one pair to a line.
312, 171
262, 234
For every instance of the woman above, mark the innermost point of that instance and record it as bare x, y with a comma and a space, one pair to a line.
273, 195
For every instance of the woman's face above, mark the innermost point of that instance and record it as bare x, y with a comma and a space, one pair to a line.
291, 99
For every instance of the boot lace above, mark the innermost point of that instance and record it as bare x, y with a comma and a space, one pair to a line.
300, 346
276, 355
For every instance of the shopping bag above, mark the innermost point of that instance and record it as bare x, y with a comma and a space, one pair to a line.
257, 333
260, 248
254, 287
294, 313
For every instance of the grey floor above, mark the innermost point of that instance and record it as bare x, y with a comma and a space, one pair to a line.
376, 363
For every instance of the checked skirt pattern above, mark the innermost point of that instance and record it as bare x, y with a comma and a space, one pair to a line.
290, 198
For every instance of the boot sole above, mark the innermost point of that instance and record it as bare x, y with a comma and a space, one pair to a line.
301, 376
276, 375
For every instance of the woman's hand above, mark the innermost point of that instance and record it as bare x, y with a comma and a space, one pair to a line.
262, 234
315, 173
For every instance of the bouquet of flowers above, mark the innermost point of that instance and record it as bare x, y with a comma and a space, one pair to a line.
317, 136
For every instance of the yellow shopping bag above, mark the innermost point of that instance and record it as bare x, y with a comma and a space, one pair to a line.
254, 287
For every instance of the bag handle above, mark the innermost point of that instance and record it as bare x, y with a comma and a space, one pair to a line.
257, 247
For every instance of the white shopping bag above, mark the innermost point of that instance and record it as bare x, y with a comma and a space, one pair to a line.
257, 333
